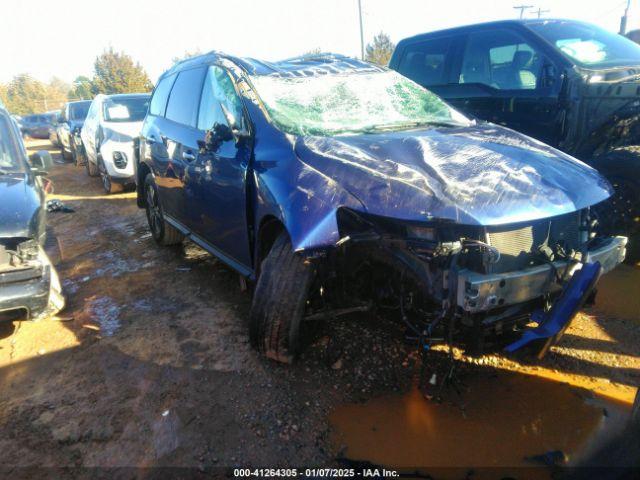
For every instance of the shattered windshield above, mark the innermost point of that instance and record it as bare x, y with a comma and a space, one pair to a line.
588, 45
10, 160
336, 104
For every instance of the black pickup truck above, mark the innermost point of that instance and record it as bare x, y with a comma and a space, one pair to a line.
569, 84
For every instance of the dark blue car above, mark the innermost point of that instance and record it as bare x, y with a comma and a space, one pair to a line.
339, 186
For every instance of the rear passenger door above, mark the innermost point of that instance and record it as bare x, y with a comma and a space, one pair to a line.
178, 137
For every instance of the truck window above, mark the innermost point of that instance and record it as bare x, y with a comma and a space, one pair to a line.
425, 62
500, 59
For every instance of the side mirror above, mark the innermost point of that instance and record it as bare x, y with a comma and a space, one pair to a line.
41, 162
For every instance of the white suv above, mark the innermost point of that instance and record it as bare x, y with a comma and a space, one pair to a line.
112, 124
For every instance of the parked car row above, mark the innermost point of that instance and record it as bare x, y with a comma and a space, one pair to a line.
336, 185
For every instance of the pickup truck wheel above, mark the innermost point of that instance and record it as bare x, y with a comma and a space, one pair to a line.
279, 302
163, 232
620, 214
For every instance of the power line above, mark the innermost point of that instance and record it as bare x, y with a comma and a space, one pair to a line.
540, 12
522, 8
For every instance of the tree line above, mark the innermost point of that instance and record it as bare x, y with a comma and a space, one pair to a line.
113, 72
117, 72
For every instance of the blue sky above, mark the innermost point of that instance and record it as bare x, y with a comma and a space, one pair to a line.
62, 38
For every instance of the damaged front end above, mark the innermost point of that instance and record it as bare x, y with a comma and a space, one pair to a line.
29, 285
475, 285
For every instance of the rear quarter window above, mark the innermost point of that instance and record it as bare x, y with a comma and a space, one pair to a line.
161, 95
426, 62
185, 97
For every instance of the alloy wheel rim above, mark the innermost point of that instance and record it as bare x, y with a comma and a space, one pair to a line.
153, 211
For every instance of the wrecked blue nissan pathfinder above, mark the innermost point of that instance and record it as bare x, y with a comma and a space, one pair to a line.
29, 285
339, 186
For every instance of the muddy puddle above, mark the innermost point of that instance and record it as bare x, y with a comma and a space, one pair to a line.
499, 419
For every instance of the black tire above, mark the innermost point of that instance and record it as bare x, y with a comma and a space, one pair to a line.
163, 232
620, 214
107, 183
279, 302
91, 168
66, 156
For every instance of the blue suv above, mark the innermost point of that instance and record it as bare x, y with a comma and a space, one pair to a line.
339, 186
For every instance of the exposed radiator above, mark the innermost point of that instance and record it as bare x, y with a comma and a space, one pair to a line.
519, 246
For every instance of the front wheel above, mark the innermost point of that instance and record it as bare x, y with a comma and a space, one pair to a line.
107, 183
279, 302
162, 231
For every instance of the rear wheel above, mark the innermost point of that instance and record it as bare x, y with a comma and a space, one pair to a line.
67, 156
163, 232
279, 302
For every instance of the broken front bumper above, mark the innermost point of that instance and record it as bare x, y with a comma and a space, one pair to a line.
34, 288
477, 292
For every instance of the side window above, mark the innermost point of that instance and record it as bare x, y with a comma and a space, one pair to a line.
425, 63
92, 111
501, 59
220, 102
185, 97
158, 104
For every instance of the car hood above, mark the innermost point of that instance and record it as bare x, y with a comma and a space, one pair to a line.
124, 131
473, 175
21, 209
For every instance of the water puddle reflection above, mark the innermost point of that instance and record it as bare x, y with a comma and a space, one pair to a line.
500, 420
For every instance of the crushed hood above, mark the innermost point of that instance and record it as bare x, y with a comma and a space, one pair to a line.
20, 208
473, 175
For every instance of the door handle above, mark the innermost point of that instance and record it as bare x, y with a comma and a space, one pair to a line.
188, 156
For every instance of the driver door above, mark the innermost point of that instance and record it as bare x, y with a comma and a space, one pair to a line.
216, 181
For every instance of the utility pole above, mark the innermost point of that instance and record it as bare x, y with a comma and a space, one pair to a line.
522, 8
540, 12
361, 30
623, 20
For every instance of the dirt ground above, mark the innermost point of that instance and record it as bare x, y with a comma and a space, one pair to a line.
149, 365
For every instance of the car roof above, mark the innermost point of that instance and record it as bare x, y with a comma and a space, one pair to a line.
78, 102
500, 23
302, 66
116, 96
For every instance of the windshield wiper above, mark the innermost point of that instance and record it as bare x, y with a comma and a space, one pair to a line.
405, 125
